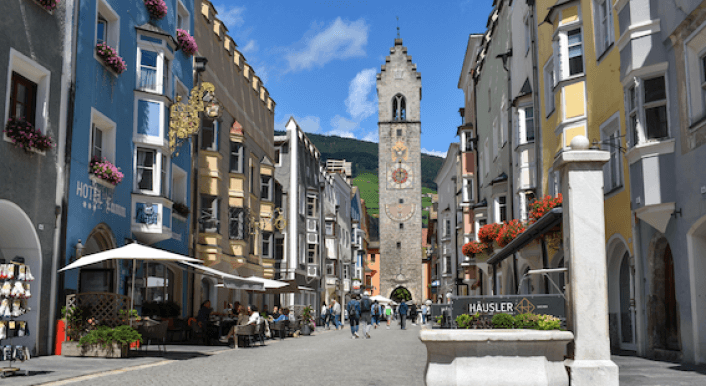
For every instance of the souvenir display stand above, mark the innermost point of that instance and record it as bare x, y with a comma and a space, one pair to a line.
14, 292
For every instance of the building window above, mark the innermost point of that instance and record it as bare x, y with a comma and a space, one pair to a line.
695, 55
346, 272
401, 225
107, 25
399, 108
329, 269
23, 98
372, 257
147, 78
179, 184
647, 116
467, 190
209, 135
311, 253
310, 206
101, 30
146, 160
447, 265
208, 219
612, 170
236, 223
528, 129
469, 141
501, 208
266, 188
277, 156
603, 21
575, 48
267, 245
549, 82
236, 157
164, 188
527, 198
399, 132
330, 229
97, 146
479, 224
183, 19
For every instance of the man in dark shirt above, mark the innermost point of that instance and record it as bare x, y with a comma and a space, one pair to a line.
403, 308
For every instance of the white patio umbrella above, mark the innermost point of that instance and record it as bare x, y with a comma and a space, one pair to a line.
275, 286
381, 299
132, 252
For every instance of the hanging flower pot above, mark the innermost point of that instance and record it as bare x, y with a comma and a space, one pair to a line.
24, 135
156, 8
509, 231
187, 43
540, 207
111, 58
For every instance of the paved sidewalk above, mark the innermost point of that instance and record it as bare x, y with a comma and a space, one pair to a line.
636, 371
55, 368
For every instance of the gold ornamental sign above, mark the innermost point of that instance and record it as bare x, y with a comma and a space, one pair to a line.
184, 120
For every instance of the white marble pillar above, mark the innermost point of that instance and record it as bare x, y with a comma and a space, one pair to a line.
584, 251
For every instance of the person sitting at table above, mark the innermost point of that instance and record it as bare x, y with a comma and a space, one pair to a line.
275, 312
253, 319
283, 316
204, 320
242, 316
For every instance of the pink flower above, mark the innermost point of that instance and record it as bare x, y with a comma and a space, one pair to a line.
156, 8
187, 43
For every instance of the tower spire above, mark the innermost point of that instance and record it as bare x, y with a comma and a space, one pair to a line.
398, 27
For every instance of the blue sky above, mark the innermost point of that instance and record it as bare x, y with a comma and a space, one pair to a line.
319, 59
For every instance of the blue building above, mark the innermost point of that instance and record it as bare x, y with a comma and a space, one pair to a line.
121, 118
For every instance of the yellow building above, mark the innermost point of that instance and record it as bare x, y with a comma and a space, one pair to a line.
581, 94
235, 205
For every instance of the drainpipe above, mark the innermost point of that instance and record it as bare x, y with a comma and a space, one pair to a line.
63, 161
292, 258
539, 170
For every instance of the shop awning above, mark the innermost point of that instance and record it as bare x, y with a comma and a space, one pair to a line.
542, 226
229, 281
276, 286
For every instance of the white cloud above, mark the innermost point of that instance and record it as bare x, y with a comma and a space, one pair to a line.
231, 16
343, 124
341, 133
251, 46
372, 137
357, 103
341, 40
437, 153
310, 123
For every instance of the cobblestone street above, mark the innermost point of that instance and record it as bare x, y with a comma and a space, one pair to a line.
390, 357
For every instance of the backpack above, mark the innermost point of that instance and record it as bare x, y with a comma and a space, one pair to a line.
365, 305
353, 309
375, 309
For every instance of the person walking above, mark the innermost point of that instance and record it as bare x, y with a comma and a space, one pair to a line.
403, 308
336, 312
388, 315
353, 309
366, 306
324, 315
413, 314
375, 314
424, 313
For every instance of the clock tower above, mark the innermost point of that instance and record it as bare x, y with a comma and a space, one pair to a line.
399, 90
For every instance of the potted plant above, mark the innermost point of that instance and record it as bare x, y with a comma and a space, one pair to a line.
181, 209
24, 135
540, 207
110, 57
156, 8
104, 170
509, 231
187, 43
488, 234
307, 321
49, 5
108, 342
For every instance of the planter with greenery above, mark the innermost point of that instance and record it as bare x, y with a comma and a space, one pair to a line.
308, 322
103, 342
187, 43
105, 171
156, 8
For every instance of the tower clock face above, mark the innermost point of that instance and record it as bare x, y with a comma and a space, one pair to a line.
400, 176
400, 212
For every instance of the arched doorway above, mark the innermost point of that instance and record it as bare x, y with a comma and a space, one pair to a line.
696, 244
627, 320
100, 277
621, 311
663, 311
19, 238
401, 294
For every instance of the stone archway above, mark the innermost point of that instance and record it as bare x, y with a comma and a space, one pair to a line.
100, 277
400, 294
663, 335
19, 238
621, 316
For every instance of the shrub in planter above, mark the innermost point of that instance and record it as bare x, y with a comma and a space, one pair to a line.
181, 209
106, 336
505, 321
24, 135
548, 322
528, 321
509, 231
105, 170
49, 5
187, 43
156, 8
111, 58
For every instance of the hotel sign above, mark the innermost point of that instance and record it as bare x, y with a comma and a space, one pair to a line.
510, 304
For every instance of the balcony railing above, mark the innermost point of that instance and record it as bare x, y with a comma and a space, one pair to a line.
208, 221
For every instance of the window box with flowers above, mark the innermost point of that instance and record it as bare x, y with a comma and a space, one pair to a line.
509, 231
156, 8
103, 172
539, 208
475, 250
48, 5
110, 58
27, 137
488, 234
187, 43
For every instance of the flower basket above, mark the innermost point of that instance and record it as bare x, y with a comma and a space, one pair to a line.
24, 135
540, 207
105, 170
472, 248
187, 43
156, 8
488, 234
49, 5
111, 58
509, 231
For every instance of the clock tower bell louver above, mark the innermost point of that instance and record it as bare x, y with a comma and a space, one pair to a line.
399, 89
